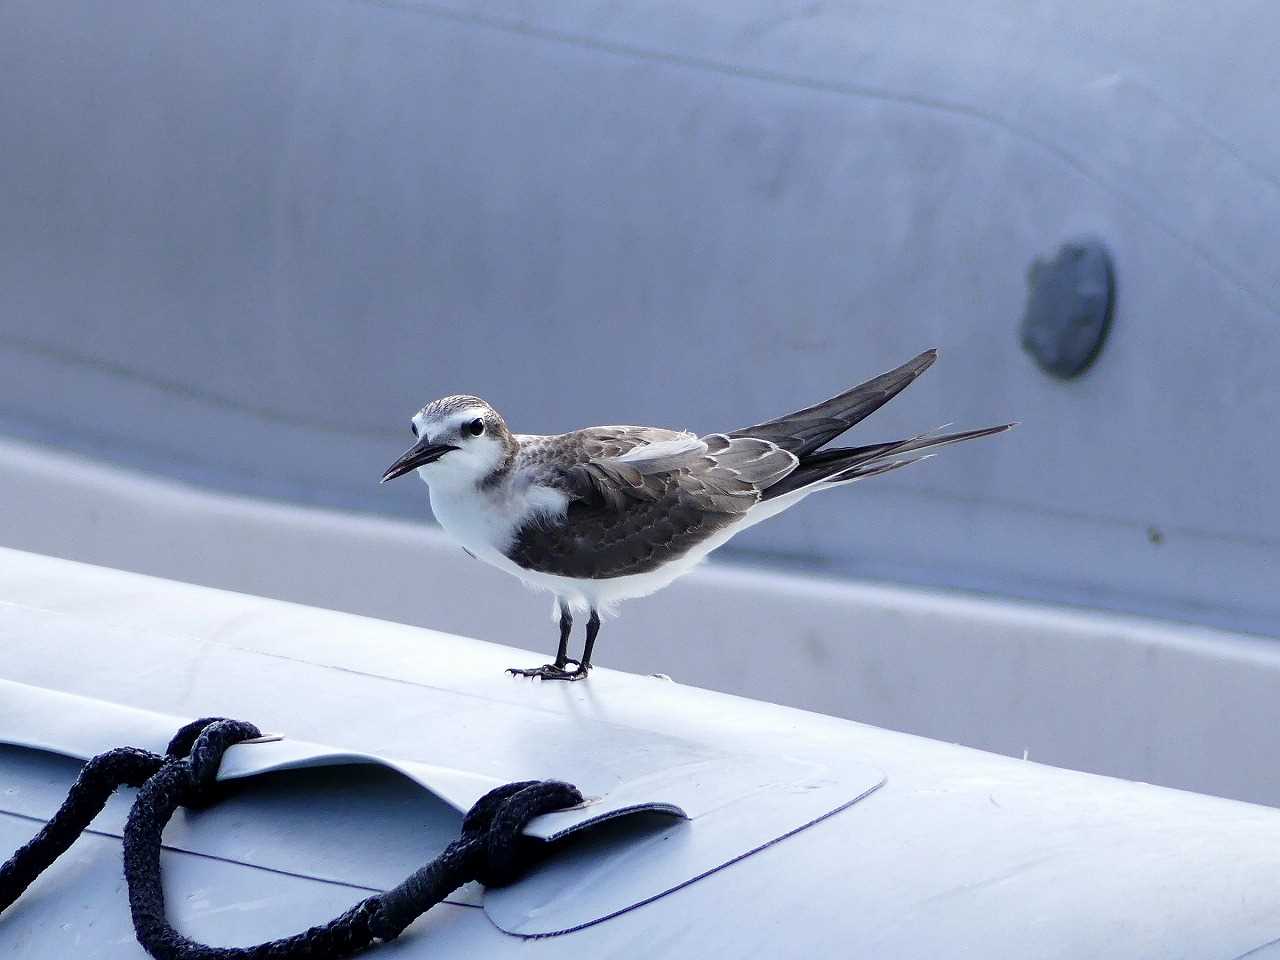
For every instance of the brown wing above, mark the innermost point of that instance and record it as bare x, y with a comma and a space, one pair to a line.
639, 496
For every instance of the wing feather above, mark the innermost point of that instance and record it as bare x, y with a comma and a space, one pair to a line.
616, 466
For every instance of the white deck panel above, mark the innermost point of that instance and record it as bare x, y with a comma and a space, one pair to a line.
959, 852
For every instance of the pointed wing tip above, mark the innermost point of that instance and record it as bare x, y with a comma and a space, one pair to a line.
917, 364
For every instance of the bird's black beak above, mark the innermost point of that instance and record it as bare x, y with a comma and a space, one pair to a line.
420, 453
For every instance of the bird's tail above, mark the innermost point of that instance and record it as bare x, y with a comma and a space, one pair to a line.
845, 464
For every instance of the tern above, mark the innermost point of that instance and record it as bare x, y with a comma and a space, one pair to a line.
606, 514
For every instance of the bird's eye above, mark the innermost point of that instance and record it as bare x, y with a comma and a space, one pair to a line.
414, 427
475, 427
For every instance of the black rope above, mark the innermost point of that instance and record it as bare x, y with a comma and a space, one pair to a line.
491, 849
98, 779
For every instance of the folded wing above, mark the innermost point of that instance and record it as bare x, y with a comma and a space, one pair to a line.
640, 496
806, 430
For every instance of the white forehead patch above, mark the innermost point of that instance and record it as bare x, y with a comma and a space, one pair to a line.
456, 419
447, 424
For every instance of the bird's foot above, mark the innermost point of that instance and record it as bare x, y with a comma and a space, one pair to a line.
553, 671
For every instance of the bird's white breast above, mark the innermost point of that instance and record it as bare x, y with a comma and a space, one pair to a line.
486, 521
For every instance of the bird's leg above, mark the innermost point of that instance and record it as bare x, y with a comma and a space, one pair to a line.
566, 627
593, 627
557, 671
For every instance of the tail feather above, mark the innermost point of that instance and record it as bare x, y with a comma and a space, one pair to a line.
923, 441
806, 430
843, 464
874, 469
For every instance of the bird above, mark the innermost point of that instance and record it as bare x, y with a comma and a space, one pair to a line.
605, 514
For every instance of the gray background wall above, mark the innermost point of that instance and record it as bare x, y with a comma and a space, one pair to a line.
240, 243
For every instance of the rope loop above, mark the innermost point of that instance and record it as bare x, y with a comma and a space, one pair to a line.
507, 851
206, 753
491, 849
478, 819
185, 738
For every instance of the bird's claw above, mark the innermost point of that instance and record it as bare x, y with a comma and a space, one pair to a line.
552, 671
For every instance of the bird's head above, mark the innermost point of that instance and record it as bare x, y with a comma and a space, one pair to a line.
460, 440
